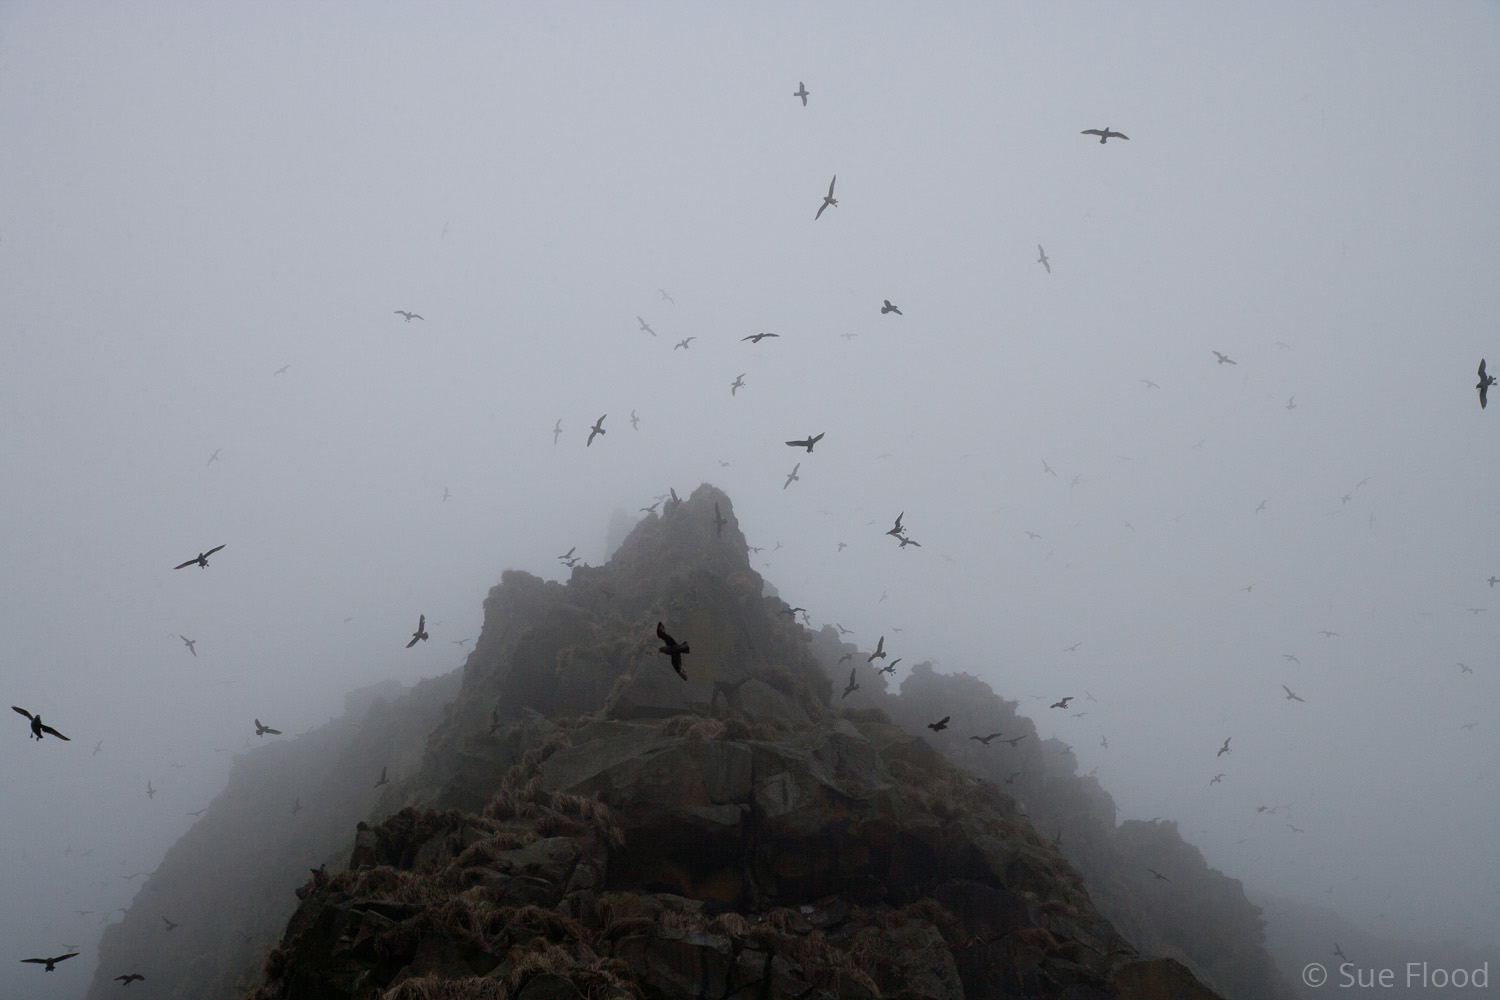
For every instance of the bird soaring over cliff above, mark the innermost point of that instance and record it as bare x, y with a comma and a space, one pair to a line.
673, 649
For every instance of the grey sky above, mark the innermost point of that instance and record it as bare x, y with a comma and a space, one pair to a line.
193, 196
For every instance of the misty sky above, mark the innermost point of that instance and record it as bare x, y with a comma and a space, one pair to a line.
194, 196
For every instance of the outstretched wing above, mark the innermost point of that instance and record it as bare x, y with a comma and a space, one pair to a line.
183, 565
18, 708
831, 184
1481, 370
661, 633
1091, 131
54, 732
213, 550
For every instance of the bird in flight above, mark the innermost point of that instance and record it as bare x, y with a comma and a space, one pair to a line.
1464, 668
1104, 134
37, 728
806, 443
1468, 725
897, 530
802, 92
383, 779
215, 456
126, 980
985, 739
879, 653
1225, 748
1225, 359
596, 430
1327, 634
420, 635
1339, 951
281, 370
262, 730
1063, 703
828, 199
201, 559
200, 812
1073, 648
1047, 468
683, 343
408, 315
1014, 740
889, 668
645, 326
556, 430
50, 963
843, 631
940, 724
1043, 259
853, 684
1148, 383
150, 792
1485, 381
1492, 581
1290, 658
792, 477
446, 494
739, 381
1216, 779
297, 806
888, 308
567, 555
666, 296
170, 925
756, 338
1291, 402
1158, 875
673, 648
1033, 536
905, 541
190, 644
1290, 696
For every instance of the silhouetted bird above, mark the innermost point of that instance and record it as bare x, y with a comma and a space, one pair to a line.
1104, 134
1062, 703
683, 343
1485, 381
1291, 402
802, 92
879, 653
408, 315
806, 443
1492, 581
556, 430
1155, 875
719, 520
201, 559
1224, 359
846, 656
756, 338
297, 806
896, 531
170, 925
792, 476
150, 792
645, 326
1042, 259
666, 296
908, 541
940, 724
635, 421
1327, 634
1339, 951
1216, 779
50, 963
986, 739
1225, 748
739, 380
420, 635
215, 456
1289, 695
263, 730
853, 684
595, 431
1148, 383
200, 812
281, 370
126, 980
37, 728
1464, 668
1014, 741
1291, 659
828, 199
1073, 648
673, 648
888, 308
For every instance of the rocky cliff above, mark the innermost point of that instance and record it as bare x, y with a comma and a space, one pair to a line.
583, 820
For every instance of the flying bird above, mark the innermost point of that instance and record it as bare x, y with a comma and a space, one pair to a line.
666, 296
756, 338
1104, 134
1225, 748
806, 443
673, 648
383, 779
683, 343
879, 653
150, 792
215, 456
843, 631
50, 963
420, 635
985, 739
1327, 634
297, 806
126, 980
262, 730
896, 531
1225, 359
1148, 383
201, 559
737, 384
567, 555
940, 724
281, 370
853, 684
171, 926
802, 93
200, 812
645, 326
905, 541
1043, 258
1339, 951
792, 476
1492, 581
1216, 779
189, 643
635, 421
719, 520
1073, 648
1290, 658
37, 728
446, 494
1158, 875
888, 308
1291, 402
596, 430
1485, 381
828, 199
1289, 695
408, 315
1062, 703
1464, 668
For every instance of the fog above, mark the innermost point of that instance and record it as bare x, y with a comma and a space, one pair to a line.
193, 197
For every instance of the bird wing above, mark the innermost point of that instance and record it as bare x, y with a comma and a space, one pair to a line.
18, 708
213, 550
831, 184
1481, 369
1091, 131
186, 564
820, 211
661, 633
54, 732
421, 622
815, 440
851, 677
1117, 135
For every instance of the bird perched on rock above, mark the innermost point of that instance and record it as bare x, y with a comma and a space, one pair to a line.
37, 728
672, 648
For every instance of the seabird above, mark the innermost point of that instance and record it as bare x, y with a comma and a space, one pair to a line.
37, 728
281, 370
1289, 695
556, 430
673, 648
1073, 648
1339, 951
1104, 134
940, 724
802, 93
806, 443
1291, 402
666, 296
1062, 703
1216, 779
645, 326
150, 792
200, 812
567, 555
683, 343
596, 430
409, 315
420, 635
262, 730
879, 653
50, 963
889, 668
446, 494
1043, 259
828, 199
201, 559
189, 643
297, 806
739, 380
126, 980
1492, 581
1148, 383
908, 541
985, 739
1327, 634
635, 421
1485, 381
1464, 668
888, 308
792, 476
896, 531
1158, 875
853, 684
1225, 359
843, 631
170, 925
846, 656
1290, 658
756, 338
215, 456
1225, 748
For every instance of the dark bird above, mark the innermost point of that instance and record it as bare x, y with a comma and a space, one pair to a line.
1485, 381
1148, 383
1073, 648
262, 730
1289, 695
635, 421
909, 541
889, 668
189, 643
1011, 778
1013, 741
1295, 829
844, 658
1225, 748
215, 456
50, 963
201, 559
1216, 779
297, 806
1492, 581
828, 199
888, 308
673, 648
806, 443
739, 381
37, 728
409, 315
1291, 402
568, 554
1291, 659
1225, 359
150, 792
420, 635
170, 925
879, 653
556, 430
940, 724
383, 779
97, 747
802, 93
128, 979
595, 431
1033, 536
645, 326
791, 611
1043, 259
985, 739
446, 494
719, 520
1468, 725
896, 531
792, 476
1104, 134
1464, 668
1327, 634
1062, 703
1158, 875
842, 630
683, 343
1047, 468
853, 684
756, 338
